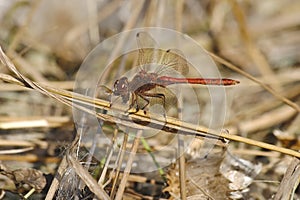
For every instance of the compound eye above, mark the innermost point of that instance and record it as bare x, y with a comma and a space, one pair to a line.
116, 88
121, 86
116, 83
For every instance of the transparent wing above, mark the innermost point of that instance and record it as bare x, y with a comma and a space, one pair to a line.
145, 40
173, 60
147, 49
165, 61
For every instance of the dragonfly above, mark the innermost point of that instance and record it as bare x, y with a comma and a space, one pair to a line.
146, 85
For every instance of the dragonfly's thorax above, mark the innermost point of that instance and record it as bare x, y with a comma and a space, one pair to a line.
142, 82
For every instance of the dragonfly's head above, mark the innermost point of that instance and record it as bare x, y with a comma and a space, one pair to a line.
121, 89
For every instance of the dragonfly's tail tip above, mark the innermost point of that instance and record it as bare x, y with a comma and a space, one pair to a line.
236, 82
228, 82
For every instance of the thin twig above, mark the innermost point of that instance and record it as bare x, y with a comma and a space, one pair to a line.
127, 169
119, 164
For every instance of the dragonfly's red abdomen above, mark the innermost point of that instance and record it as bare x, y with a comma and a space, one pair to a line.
166, 80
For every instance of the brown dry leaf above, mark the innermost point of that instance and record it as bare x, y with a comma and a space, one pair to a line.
287, 139
6, 183
204, 181
28, 176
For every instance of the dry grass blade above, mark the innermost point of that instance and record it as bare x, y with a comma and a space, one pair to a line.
108, 160
268, 105
15, 151
182, 169
87, 178
119, 164
4, 87
256, 55
29, 158
31, 122
269, 119
181, 160
266, 87
128, 165
178, 14
55, 183
27, 69
20, 143
25, 81
10, 79
159, 122
106, 11
130, 24
290, 181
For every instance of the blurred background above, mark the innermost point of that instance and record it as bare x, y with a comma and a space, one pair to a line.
48, 40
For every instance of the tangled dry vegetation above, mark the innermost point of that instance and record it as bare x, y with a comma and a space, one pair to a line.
44, 154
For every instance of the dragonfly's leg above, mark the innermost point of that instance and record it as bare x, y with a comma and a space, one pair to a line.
157, 95
147, 102
132, 103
